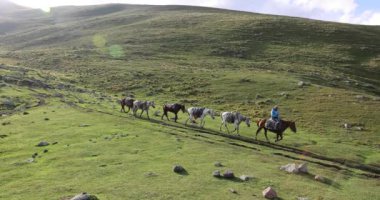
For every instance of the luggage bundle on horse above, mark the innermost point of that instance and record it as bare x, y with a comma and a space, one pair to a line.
272, 124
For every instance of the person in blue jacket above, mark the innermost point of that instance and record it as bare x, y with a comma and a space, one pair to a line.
275, 116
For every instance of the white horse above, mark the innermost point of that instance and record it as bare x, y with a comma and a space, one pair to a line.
143, 105
234, 117
195, 113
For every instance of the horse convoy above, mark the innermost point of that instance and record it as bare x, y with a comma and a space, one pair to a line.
273, 124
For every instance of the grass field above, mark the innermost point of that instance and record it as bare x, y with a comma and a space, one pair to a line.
64, 70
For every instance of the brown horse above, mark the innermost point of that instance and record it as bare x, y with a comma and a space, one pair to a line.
126, 102
283, 126
174, 108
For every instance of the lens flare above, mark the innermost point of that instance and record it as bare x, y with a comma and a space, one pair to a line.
116, 51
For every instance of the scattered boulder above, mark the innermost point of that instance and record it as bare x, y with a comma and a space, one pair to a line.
178, 169
294, 168
218, 164
319, 178
258, 96
301, 84
358, 128
291, 168
42, 144
245, 178
45, 151
216, 173
347, 125
229, 174
84, 196
302, 168
269, 193
30, 160
233, 191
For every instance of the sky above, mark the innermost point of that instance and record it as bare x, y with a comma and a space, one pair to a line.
347, 11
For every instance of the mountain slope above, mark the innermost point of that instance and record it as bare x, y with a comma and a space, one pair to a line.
310, 47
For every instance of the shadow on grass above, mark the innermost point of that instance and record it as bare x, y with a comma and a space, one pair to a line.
183, 173
325, 181
234, 179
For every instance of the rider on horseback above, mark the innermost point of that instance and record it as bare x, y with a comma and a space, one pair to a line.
275, 116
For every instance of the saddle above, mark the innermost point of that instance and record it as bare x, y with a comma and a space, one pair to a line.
272, 124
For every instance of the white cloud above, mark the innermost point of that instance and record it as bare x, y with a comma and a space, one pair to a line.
331, 10
368, 17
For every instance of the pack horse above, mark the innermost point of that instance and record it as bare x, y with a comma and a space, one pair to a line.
197, 112
174, 108
234, 118
143, 106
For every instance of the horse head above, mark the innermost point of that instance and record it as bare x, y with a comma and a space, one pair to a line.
292, 126
211, 113
248, 121
183, 108
151, 103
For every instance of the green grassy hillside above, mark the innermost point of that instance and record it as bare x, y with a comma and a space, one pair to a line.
70, 66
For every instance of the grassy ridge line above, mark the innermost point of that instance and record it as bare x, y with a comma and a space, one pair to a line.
347, 163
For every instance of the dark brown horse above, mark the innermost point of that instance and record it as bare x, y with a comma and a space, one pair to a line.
283, 126
126, 102
174, 108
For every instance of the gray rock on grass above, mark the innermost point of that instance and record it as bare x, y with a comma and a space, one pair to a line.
178, 169
294, 168
269, 193
218, 164
84, 196
216, 173
42, 144
245, 177
319, 178
229, 174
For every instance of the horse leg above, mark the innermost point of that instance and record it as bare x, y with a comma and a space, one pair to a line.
277, 136
257, 132
237, 129
162, 117
225, 125
142, 111
187, 120
147, 114
129, 108
266, 136
175, 118
122, 108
